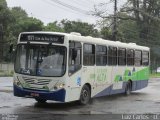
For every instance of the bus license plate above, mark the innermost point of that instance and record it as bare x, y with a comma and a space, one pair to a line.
35, 94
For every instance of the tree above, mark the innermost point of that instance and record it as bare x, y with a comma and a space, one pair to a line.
19, 13
54, 26
5, 19
84, 28
31, 24
106, 33
12, 22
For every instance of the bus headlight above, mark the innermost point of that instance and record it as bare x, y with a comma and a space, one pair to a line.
59, 86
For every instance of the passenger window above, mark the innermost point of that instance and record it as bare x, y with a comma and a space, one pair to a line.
121, 56
75, 49
145, 58
138, 58
130, 57
112, 56
101, 55
89, 54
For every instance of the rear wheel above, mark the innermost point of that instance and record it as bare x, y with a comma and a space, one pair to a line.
128, 88
85, 95
39, 100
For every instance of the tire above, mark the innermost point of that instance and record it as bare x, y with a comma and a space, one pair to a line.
85, 95
128, 88
39, 100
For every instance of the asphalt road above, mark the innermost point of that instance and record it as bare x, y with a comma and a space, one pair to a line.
142, 102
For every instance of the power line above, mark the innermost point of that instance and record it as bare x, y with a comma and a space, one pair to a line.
50, 3
87, 2
80, 3
70, 6
66, 9
59, 6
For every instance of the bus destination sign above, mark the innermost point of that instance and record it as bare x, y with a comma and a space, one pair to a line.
42, 38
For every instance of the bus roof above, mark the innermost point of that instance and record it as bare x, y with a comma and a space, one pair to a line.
89, 39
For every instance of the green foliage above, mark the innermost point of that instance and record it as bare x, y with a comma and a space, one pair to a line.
155, 75
6, 73
30, 24
18, 13
84, 28
53, 27
21, 23
106, 33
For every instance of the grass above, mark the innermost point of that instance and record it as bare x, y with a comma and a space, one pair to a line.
6, 73
155, 75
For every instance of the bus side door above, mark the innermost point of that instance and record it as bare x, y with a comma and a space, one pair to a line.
88, 72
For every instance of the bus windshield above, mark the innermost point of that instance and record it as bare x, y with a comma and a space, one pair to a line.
41, 60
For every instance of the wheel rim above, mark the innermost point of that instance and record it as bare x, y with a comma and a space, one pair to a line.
85, 96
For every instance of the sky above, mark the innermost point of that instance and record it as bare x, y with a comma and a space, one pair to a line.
56, 10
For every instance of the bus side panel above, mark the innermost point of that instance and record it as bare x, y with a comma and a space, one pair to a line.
76, 81
139, 84
137, 75
73, 86
88, 76
119, 79
103, 77
141, 78
110, 91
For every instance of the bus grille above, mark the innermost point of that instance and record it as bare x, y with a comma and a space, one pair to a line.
35, 81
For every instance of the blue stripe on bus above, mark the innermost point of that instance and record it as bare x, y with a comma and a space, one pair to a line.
136, 85
56, 95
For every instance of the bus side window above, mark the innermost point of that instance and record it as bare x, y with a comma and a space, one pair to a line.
145, 58
121, 56
74, 56
130, 57
112, 55
101, 55
138, 58
88, 54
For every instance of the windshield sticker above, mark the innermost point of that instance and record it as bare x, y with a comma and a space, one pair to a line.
78, 81
25, 71
39, 72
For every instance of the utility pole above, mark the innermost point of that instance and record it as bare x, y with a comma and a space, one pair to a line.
114, 32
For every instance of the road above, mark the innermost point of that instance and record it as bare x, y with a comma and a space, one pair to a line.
145, 101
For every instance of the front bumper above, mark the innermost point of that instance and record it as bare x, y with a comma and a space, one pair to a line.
58, 95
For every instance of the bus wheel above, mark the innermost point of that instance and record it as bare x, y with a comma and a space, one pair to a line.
85, 95
39, 100
128, 88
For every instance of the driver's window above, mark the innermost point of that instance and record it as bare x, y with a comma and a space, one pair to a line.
74, 56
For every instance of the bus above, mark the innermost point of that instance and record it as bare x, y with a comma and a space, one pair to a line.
69, 67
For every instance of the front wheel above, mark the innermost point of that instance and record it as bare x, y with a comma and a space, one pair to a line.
85, 95
39, 100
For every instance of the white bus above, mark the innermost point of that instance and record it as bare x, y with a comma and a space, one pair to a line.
70, 67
